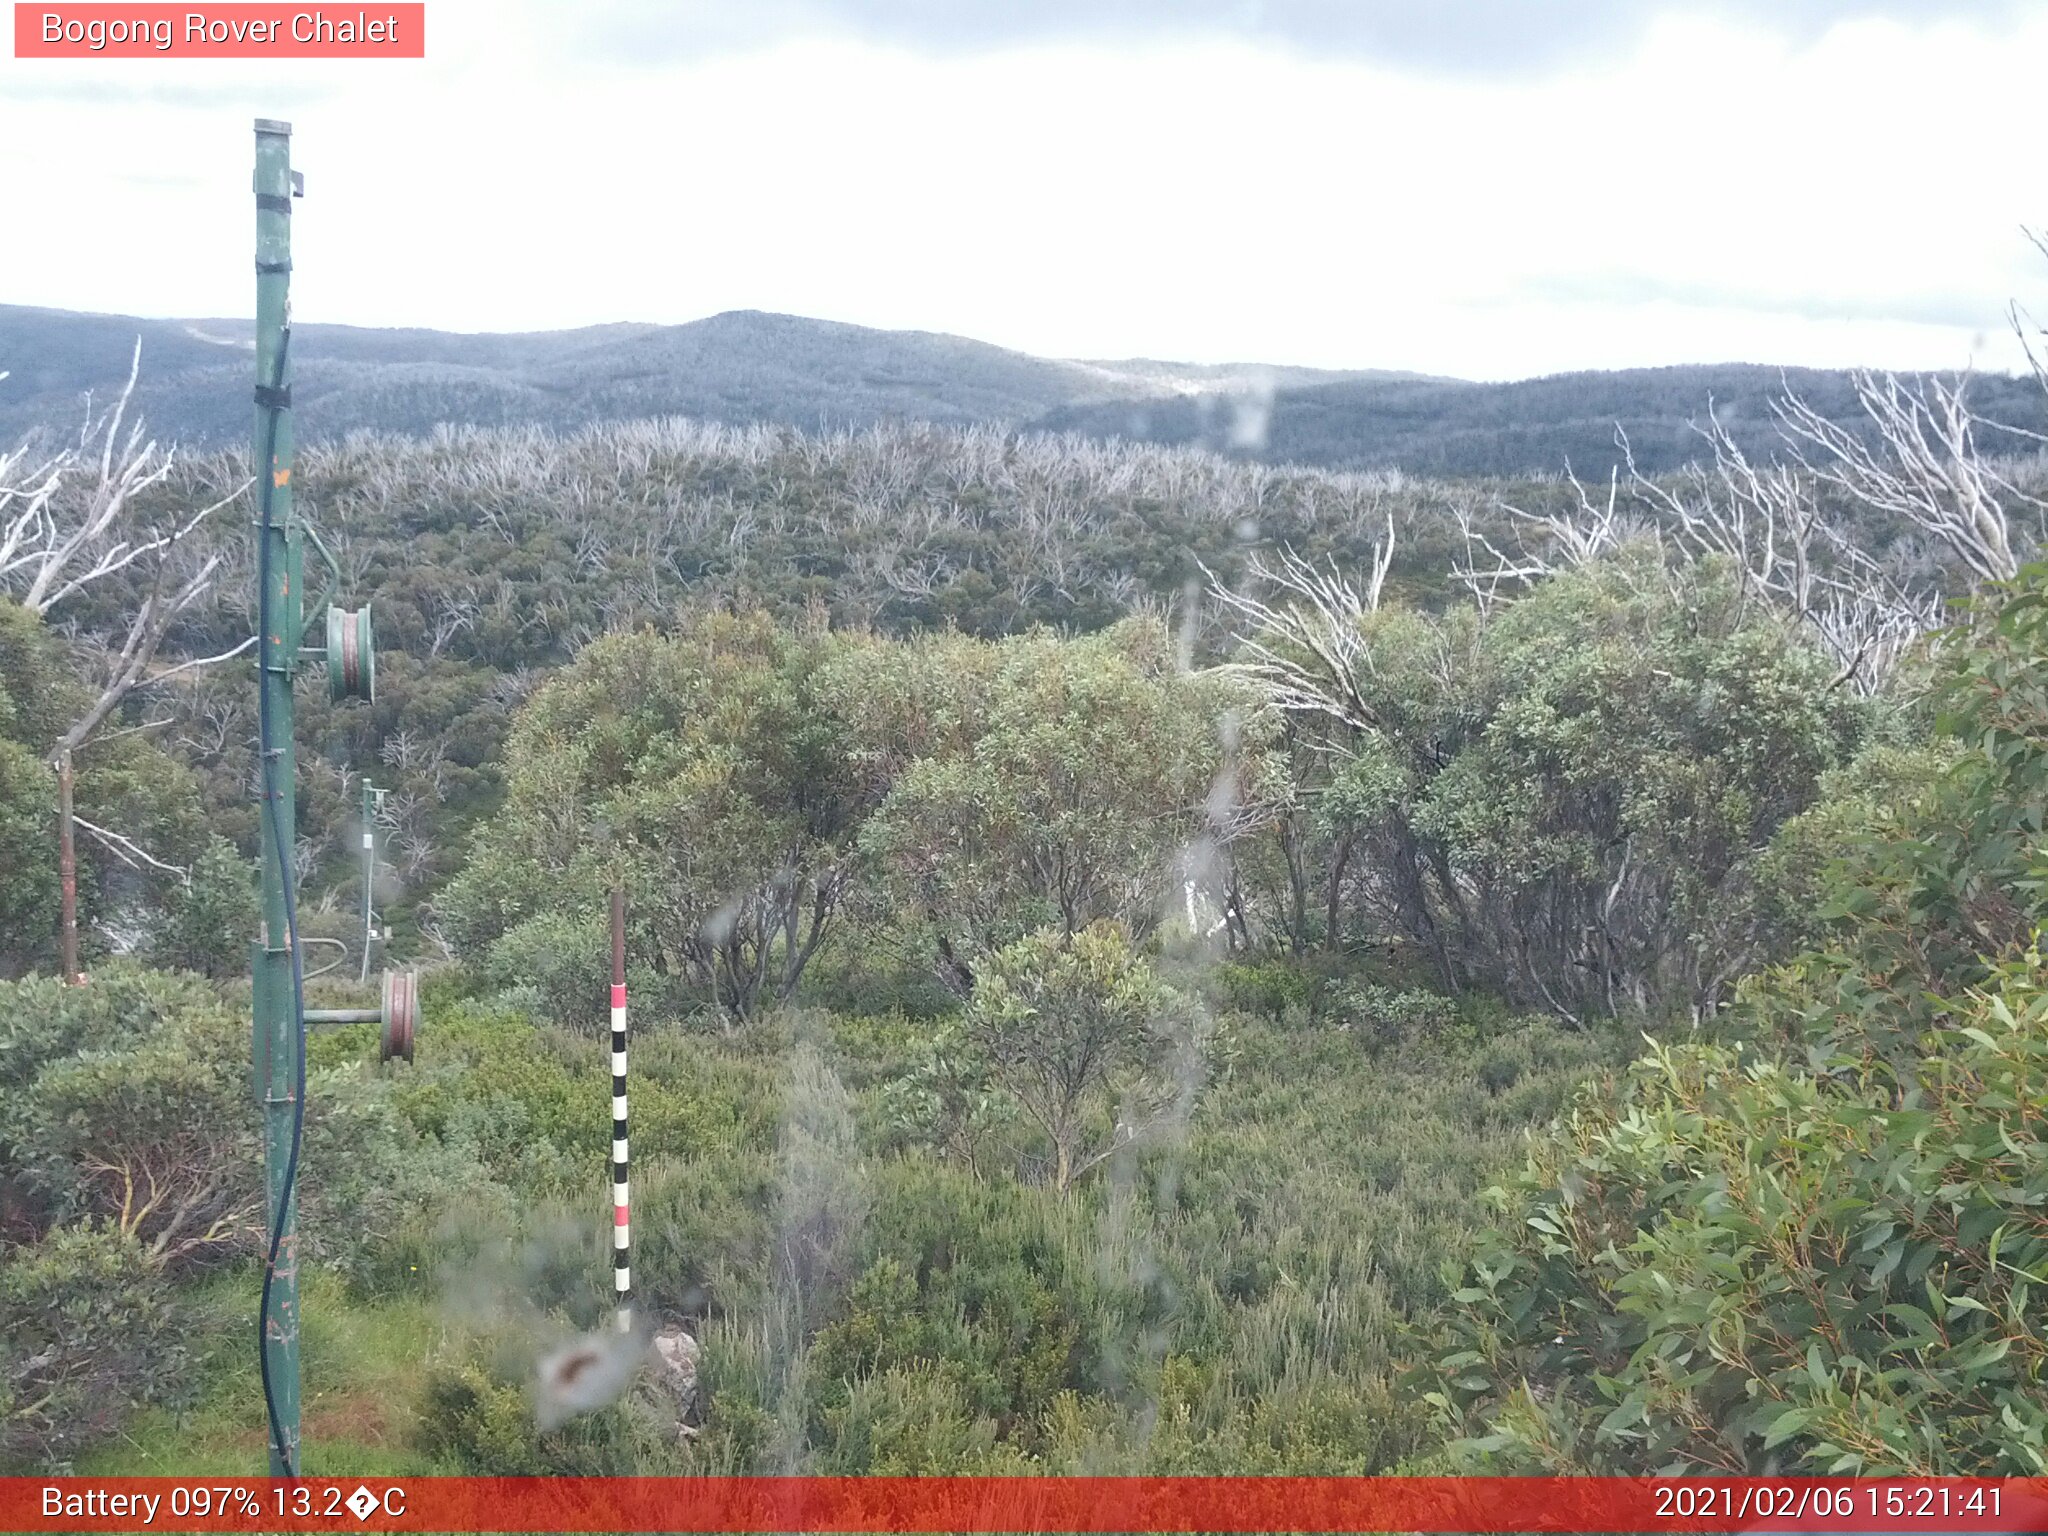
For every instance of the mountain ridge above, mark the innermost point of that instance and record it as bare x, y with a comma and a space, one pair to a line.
747, 366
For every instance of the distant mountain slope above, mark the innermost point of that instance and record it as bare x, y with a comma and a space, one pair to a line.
1451, 427
742, 366
1161, 376
748, 366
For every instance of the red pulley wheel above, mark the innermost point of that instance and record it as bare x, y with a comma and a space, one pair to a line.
401, 1014
351, 655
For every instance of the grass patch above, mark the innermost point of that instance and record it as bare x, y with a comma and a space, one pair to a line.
361, 1365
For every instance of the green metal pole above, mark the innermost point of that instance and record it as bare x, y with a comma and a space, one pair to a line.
279, 1036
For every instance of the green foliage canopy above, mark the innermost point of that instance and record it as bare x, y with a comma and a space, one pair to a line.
702, 769
1036, 781
1567, 801
1820, 1253
1077, 1028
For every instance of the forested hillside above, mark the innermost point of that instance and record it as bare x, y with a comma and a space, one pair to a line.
740, 367
1450, 427
745, 368
1141, 958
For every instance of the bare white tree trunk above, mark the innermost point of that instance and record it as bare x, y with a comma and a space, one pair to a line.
72, 520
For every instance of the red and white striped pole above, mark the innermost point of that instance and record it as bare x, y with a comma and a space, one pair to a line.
622, 1273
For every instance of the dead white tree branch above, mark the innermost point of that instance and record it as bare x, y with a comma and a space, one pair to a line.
196, 662
1561, 541
1768, 522
1925, 468
1308, 651
129, 851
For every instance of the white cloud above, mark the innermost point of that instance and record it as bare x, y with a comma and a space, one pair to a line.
1718, 193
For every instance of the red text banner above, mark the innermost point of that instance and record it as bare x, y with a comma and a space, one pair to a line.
1076, 1504
376, 31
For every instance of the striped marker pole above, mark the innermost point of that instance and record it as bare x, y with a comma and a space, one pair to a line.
622, 1274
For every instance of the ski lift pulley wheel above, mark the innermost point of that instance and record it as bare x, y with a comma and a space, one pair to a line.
351, 656
401, 1014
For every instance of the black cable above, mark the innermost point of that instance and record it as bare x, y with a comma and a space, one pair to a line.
266, 481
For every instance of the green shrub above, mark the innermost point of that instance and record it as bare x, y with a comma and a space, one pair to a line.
1077, 1028
207, 923
1819, 1254
533, 1104
476, 1418
945, 1102
558, 964
702, 1228
1746, 1268
132, 1106
87, 1333
986, 1277
1267, 987
377, 1197
1385, 1016
1797, 877
42, 1020
481, 1409
914, 1421
886, 972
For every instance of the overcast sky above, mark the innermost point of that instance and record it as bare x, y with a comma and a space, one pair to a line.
1492, 189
